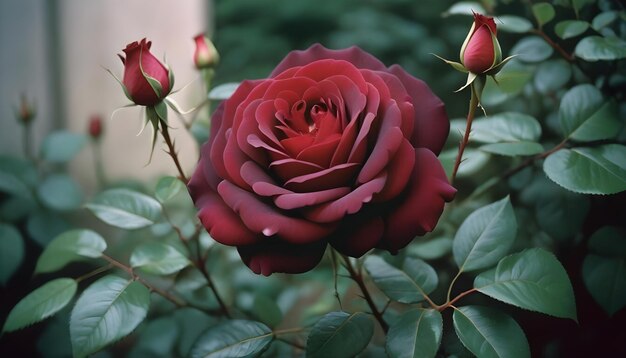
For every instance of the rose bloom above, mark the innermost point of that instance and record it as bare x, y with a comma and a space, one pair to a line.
481, 51
140, 64
333, 148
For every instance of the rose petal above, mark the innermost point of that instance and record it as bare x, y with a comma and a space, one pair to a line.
359, 237
423, 205
398, 171
289, 168
431, 121
262, 218
273, 255
348, 204
333, 177
320, 153
290, 201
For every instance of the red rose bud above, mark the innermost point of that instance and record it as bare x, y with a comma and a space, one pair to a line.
146, 80
481, 51
206, 55
26, 113
95, 127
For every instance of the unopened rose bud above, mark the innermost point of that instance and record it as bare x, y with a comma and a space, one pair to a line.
146, 80
206, 55
95, 127
26, 112
481, 51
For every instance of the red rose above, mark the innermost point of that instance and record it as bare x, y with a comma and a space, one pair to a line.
205, 55
333, 148
95, 126
481, 50
146, 80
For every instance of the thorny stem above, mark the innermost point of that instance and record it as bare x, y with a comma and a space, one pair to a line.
468, 127
509, 173
358, 278
567, 56
172, 151
200, 265
134, 276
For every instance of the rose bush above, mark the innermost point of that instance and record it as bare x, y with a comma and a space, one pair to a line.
146, 80
333, 147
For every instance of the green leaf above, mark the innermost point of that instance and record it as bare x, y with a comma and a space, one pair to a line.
505, 127
44, 225
487, 332
598, 48
158, 258
532, 49
223, 91
192, 323
532, 279
543, 12
11, 252
417, 333
62, 146
513, 149
515, 24
125, 209
570, 28
431, 249
11, 184
108, 310
60, 192
157, 338
340, 334
167, 188
552, 75
408, 285
605, 278
579, 4
234, 338
604, 269
511, 81
608, 241
604, 19
464, 8
41, 304
598, 170
485, 236
74, 245
586, 116
266, 310
473, 161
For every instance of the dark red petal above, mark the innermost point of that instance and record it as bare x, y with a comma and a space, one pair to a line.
425, 199
261, 183
273, 255
479, 53
262, 218
320, 153
431, 121
359, 237
398, 171
333, 177
349, 204
354, 55
480, 20
292, 200
397, 92
292, 168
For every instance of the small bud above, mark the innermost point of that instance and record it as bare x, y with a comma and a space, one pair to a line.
146, 80
206, 55
481, 51
26, 112
95, 126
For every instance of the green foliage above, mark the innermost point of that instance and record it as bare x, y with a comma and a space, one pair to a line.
234, 338
340, 334
598, 48
60, 192
158, 258
62, 146
416, 334
586, 116
408, 285
533, 279
485, 236
106, 311
41, 303
604, 269
570, 28
543, 12
125, 209
11, 252
487, 332
167, 188
70, 246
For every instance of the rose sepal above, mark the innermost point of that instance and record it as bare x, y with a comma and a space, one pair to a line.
126, 93
456, 65
498, 67
156, 116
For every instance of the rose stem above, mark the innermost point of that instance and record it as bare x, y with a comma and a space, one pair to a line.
97, 162
468, 127
200, 265
172, 151
358, 278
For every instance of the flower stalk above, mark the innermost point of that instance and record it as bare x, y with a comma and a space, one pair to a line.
474, 103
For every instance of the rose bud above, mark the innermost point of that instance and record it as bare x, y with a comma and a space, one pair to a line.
481, 51
95, 127
146, 80
333, 148
26, 113
206, 55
